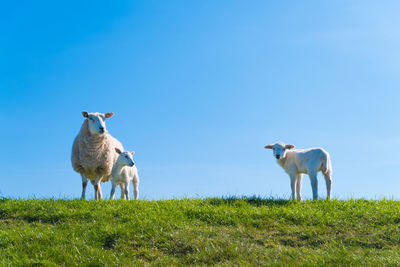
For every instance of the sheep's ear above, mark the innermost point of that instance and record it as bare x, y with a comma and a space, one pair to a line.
118, 151
109, 114
289, 146
269, 147
132, 153
85, 114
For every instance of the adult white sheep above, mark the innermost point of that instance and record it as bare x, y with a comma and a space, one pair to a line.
304, 161
93, 152
122, 173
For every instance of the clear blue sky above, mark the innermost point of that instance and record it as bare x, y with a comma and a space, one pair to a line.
198, 88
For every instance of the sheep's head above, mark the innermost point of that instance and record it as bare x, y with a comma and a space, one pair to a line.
279, 149
125, 158
96, 121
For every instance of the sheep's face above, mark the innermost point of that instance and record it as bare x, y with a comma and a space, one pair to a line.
96, 122
125, 158
279, 149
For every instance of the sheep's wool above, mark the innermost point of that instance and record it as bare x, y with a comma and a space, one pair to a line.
94, 155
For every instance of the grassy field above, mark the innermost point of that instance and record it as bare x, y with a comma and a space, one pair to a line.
226, 232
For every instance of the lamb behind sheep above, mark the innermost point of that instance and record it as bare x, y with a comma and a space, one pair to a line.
122, 173
93, 152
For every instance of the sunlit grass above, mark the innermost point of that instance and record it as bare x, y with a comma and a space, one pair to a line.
230, 231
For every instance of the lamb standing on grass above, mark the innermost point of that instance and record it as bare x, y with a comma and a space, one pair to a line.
93, 152
122, 173
299, 161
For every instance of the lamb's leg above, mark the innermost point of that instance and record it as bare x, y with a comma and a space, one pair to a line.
298, 186
84, 185
136, 189
126, 190
328, 181
293, 185
112, 194
122, 191
314, 184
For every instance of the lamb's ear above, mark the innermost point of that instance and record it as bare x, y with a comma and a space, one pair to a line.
289, 146
85, 114
132, 153
269, 147
118, 151
109, 114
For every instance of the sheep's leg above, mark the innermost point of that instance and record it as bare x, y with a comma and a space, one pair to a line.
126, 190
328, 181
136, 189
298, 186
98, 194
122, 191
112, 194
293, 185
96, 188
314, 184
84, 185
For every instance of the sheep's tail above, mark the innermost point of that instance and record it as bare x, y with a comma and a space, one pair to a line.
327, 165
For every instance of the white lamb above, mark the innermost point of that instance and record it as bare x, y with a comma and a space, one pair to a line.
93, 152
308, 161
124, 171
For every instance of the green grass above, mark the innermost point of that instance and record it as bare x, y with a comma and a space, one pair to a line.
225, 232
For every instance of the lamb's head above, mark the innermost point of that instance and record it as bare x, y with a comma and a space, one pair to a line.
96, 121
279, 149
125, 158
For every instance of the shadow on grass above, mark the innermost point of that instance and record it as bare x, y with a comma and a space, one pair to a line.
254, 201
4, 200
42, 219
3, 213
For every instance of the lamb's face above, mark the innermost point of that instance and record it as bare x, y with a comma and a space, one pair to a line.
125, 158
96, 122
279, 149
